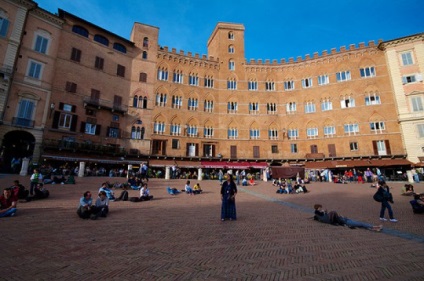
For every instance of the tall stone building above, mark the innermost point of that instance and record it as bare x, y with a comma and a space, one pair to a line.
405, 60
73, 91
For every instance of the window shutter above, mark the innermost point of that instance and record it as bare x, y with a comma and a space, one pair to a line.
187, 149
404, 80
388, 150
56, 118
74, 108
74, 123
197, 149
374, 147
5, 25
98, 127
82, 129
61, 105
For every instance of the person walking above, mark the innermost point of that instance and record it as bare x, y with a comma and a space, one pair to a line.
385, 196
228, 197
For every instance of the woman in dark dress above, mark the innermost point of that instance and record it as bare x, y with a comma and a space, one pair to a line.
228, 196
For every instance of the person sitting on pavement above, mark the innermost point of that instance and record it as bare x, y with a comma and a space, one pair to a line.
197, 189
40, 192
109, 192
252, 182
172, 190
334, 218
145, 193
86, 209
102, 204
8, 203
408, 189
19, 191
188, 188
132, 182
244, 182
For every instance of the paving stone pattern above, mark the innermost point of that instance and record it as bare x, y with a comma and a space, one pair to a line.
182, 237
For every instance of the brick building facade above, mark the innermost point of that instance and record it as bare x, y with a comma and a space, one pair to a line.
96, 96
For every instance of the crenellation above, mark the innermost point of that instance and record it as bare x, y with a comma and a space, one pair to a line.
333, 51
343, 49
259, 61
361, 45
324, 53
274, 62
371, 43
291, 60
267, 62
352, 47
174, 51
181, 53
299, 59
307, 57
316, 55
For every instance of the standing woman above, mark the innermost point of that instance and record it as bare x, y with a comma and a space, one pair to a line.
228, 196
386, 197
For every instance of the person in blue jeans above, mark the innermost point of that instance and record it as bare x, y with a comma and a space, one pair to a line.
386, 197
7, 203
334, 218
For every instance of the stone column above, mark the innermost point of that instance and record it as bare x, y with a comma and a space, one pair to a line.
199, 174
167, 172
264, 175
129, 169
81, 170
24, 168
410, 176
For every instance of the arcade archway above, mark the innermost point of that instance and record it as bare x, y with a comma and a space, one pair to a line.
16, 145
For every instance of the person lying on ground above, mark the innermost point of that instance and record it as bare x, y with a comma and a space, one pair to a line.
334, 218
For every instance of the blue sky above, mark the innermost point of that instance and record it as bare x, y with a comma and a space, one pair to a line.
274, 29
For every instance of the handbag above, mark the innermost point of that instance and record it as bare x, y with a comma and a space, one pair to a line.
378, 197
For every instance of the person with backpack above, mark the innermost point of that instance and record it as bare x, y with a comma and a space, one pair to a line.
384, 196
334, 218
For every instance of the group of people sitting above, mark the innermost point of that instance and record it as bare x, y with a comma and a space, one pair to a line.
290, 187
418, 202
192, 191
89, 210
245, 182
11, 195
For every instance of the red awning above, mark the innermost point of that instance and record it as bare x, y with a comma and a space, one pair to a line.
213, 164
188, 164
357, 163
233, 165
258, 165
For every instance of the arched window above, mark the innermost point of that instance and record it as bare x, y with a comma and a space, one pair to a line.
80, 30
144, 56
120, 47
146, 42
101, 39
231, 35
135, 100
231, 49
145, 102
140, 101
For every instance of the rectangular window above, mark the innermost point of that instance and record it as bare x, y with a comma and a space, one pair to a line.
41, 44
120, 70
99, 62
377, 127
71, 87
65, 120
25, 112
231, 85
407, 58
178, 78
76, 55
90, 129
113, 132
208, 82
35, 70
372, 99
193, 80
162, 74
326, 105
291, 107
329, 131
143, 77
208, 132
254, 134
293, 148
175, 144
367, 72
289, 85
323, 80
271, 108
353, 146
420, 130
232, 133
4, 24
293, 134
310, 107
256, 152
273, 134
252, 85
412, 78
417, 104
351, 129
274, 148
307, 83
312, 133
343, 76
347, 102
269, 86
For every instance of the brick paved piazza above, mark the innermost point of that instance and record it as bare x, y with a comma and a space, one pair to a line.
182, 238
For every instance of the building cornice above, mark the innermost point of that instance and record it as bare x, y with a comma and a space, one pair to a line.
416, 37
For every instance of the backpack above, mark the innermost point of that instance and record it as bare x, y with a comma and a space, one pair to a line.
378, 197
125, 196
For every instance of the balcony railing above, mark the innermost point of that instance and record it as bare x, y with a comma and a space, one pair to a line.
105, 104
22, 122
84, 147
